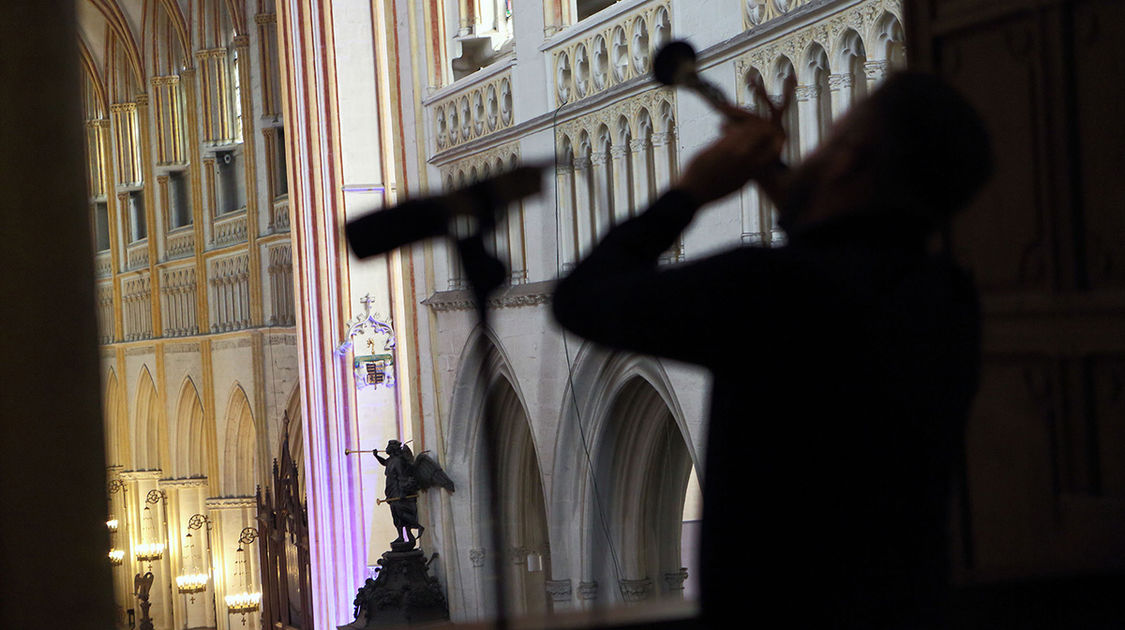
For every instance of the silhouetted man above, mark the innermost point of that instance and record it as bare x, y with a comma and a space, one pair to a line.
844, 363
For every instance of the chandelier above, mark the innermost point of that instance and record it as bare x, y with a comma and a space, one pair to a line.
112, 525
116, 557
148, 552
247, 601
244, 602
190, 583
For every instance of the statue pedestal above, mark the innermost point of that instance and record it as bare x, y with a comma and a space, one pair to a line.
402, 593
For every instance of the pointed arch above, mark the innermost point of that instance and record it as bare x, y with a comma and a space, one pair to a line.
622, 426
123, 35
240, 474
297, 434
644, 466
193, 453
151, 443
486, 380
96, 101
118, 451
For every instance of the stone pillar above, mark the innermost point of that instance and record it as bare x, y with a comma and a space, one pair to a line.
662, 160
337, 532
875, 71
808, 110
564, 182
52, 442
621, 206
602, 203
639, 149
582, 205
841, 87
751, 215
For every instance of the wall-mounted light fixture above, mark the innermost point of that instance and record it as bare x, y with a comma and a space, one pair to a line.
247, 601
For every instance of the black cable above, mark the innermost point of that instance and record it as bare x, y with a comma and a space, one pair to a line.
570, 374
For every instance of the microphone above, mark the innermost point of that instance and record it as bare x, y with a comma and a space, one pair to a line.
675, 64
415, 219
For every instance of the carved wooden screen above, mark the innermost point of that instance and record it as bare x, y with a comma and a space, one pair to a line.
1046, 243
284, 548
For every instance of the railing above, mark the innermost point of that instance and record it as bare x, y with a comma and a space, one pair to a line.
758, 12
136, 255
180, 244
230, 230
280, 217
474, 107
103, 264
608, 49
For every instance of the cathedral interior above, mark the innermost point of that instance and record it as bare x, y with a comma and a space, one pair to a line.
177, 175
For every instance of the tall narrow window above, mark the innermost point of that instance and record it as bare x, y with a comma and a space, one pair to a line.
136, 211
232, 188
101, 226
236, 95
179, 211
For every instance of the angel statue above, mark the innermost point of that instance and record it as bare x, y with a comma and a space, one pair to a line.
407, 475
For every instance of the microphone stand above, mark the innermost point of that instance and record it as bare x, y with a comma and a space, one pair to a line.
485, 273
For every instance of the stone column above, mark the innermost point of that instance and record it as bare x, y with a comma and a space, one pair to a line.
841, 87
751, 215
808, 110
337, 532
875, 71
564, 182
621, 207
639, 149
582, 205
602, 202
662, 160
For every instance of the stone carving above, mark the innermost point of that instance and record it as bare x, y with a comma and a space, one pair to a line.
534, 294
136, 302
840, 35
588, 590
402, 593
476, 557
178, 301
179, 244
478, 109
229, 231
230, 292
674, 581
559, 590
136, 255
636, 590
583, 62
281, 285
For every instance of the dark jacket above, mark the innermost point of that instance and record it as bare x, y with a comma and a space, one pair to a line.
844, 364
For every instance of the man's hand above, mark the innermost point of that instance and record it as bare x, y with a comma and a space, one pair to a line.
749, 148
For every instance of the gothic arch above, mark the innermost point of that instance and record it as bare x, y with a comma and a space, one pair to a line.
616, 401
151, 443
116, 423
193, 452
848, 58
643, 465
296, 434
886, 41
485, 377
240, 461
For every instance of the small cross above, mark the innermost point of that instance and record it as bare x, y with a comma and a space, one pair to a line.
367, 302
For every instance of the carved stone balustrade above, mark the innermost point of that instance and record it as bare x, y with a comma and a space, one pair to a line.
610, 48
472, 107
